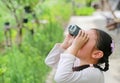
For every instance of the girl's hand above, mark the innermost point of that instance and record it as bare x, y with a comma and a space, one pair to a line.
67, 41
78, 42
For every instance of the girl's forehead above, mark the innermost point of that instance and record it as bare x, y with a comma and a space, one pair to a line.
91, 32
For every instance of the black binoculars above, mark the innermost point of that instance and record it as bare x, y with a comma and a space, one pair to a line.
73, 30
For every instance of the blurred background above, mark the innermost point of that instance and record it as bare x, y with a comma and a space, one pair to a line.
30, 28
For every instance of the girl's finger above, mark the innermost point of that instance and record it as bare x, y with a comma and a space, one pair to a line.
80, 32
83, 33
86, 37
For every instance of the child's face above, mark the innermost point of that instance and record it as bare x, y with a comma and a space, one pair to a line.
86, 51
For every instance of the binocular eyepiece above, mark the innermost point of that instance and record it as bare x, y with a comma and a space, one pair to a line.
73, 30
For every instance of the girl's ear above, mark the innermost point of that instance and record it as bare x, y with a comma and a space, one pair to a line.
97, 54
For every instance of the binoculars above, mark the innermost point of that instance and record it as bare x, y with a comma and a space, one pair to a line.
73, 30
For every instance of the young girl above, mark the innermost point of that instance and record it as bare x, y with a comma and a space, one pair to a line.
81, 59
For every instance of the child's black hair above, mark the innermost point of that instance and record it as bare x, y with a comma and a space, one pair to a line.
103, 43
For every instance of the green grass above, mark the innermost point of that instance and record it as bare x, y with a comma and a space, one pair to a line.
21, 68
26, 64
84, 11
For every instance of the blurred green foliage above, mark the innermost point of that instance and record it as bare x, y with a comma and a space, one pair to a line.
84, 11
25, 64
83, 7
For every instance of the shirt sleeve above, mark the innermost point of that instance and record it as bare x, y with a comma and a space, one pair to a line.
53, 57
64, 73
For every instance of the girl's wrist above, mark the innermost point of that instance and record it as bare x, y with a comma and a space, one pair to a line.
63, 46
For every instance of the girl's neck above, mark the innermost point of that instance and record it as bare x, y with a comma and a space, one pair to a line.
83, 62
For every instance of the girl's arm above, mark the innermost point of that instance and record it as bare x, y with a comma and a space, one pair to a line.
54, 55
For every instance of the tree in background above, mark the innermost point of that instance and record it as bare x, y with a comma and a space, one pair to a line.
20, 9
7, 33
